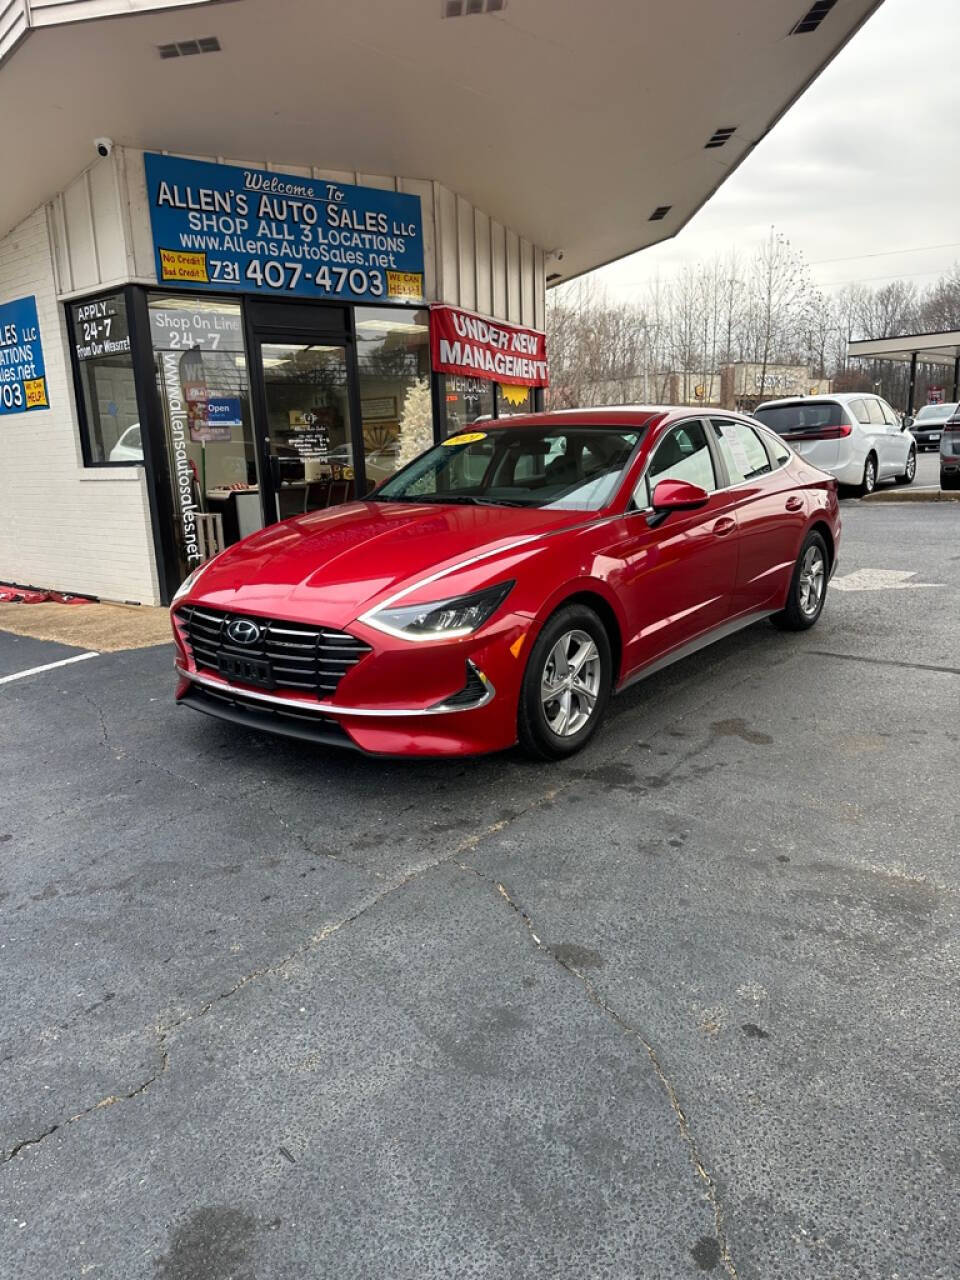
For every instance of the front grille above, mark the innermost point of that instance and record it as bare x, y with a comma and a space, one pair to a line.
306, 659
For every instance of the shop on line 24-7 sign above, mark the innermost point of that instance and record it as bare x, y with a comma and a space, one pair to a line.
23, 379
222, 227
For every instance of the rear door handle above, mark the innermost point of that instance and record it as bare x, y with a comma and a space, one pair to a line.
794, 503
724, 526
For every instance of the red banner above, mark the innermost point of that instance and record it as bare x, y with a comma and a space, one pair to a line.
475, 347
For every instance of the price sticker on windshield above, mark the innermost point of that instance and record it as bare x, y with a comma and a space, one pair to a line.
469, 437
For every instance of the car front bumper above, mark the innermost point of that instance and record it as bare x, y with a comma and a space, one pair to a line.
437, 699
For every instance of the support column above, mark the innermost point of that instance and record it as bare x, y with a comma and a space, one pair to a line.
956, 380
911, 396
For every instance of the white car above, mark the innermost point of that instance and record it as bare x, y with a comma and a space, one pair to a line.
129, 448
854, 436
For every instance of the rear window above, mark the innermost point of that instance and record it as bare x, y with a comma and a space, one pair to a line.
787, 419
937, 412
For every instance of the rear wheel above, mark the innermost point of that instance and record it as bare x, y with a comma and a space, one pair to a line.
566, 686
808, 587
869, 481
910, 473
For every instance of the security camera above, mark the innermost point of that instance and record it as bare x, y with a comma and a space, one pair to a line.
555, 254
103, 146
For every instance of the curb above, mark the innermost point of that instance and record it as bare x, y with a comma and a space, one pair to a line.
913, 495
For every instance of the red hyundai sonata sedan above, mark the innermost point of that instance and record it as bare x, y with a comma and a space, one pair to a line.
503, 585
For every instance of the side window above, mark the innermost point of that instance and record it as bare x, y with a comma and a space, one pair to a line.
859, 410
742, 451
682, 454
777, 450
875, 414
889, 417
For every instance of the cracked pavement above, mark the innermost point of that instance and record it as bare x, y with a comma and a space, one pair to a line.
680, 1006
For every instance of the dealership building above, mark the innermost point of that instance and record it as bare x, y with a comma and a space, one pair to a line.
255, 255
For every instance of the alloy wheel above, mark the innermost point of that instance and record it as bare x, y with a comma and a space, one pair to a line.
870, 476
813, 578
570, 683
911, 465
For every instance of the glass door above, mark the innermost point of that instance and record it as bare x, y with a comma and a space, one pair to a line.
307, 431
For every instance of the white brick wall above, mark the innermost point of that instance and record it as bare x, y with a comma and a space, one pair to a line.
62, 526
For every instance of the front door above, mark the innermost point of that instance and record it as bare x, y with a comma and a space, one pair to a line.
305, 427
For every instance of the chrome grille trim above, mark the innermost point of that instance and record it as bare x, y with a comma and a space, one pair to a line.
306, 658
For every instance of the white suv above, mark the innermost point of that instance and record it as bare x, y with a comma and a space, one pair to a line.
853, 436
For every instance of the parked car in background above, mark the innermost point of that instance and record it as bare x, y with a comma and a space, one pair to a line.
502, 585
928, 424
856, 438
129, 447
950, 452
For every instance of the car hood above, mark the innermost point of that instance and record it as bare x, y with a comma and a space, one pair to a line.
330, 566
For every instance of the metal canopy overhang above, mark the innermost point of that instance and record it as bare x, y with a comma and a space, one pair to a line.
567, 121
929, 348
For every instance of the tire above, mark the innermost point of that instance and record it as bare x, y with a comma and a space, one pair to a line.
910, 474
540, 721
869, 481
797, 615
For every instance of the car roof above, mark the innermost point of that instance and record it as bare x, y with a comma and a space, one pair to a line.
844, 397
607, 415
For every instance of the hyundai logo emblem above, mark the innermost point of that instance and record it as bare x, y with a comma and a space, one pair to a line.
243, 631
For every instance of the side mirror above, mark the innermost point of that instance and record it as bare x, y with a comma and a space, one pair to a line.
907, 424
675, 495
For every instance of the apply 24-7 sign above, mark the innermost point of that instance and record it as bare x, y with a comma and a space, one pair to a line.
23, 381
225, 228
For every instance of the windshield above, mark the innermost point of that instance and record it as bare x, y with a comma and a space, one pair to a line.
564, 468
788, 418
938, 412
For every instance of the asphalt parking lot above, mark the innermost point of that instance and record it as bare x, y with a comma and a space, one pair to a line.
682, 1005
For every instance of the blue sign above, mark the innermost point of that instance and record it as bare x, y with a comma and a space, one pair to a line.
225, 228
23, 379
224, 411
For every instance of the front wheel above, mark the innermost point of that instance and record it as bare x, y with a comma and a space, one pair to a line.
566, 686
808, 587
910, 473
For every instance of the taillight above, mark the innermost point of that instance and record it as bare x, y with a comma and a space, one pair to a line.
820, 433
952, 424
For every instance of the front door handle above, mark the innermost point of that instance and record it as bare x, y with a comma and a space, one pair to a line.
794, 503
724, 526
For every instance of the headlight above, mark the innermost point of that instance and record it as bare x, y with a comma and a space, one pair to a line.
446, 619
187, 583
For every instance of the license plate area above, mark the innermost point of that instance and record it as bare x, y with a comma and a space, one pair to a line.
254, 671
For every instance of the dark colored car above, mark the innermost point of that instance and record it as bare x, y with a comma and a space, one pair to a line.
927, 426
950, 452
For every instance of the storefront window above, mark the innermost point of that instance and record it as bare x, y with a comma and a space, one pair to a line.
393, 352
204, 390
467, 399
513, 400
101, 348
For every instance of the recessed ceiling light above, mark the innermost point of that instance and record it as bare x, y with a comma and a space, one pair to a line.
720, 137
660, 212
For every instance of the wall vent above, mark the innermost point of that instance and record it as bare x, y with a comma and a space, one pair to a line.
660, 212
554, 275
186, 48
720, 138
465, 8
812, 19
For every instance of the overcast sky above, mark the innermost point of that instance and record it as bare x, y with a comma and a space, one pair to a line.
866, 162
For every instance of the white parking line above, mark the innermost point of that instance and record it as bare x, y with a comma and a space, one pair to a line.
34, 671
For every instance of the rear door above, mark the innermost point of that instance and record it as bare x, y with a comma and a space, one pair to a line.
771, 515
886, 446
